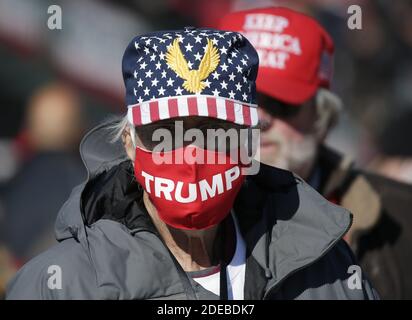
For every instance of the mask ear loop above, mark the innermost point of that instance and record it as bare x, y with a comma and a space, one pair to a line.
131, 127
133, 134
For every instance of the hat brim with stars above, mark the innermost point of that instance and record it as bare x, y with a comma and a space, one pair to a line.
195, 72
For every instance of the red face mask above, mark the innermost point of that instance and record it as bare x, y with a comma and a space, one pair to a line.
188, 194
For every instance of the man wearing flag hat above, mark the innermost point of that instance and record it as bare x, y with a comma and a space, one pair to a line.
155, 220
296, 111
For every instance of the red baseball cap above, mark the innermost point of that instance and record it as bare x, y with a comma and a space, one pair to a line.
295, 52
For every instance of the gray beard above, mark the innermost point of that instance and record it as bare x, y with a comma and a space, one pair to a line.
297, 157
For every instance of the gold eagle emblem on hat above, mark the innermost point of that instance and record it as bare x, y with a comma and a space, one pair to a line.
193, 78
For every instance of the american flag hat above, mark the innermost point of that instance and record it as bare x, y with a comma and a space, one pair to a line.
191, 72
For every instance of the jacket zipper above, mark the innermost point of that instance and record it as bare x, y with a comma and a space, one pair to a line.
310, 263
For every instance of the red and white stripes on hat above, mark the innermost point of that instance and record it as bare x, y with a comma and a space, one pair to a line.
193, 105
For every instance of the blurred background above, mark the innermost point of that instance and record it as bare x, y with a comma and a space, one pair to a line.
57, 84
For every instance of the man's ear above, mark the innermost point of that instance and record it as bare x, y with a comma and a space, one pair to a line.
328, 107
128, 143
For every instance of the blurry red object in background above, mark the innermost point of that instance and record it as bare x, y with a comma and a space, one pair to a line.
206, 13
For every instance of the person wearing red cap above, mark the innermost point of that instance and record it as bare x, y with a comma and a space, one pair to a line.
297, 110
295, 68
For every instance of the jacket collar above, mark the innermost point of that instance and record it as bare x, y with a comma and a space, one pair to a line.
286, 223
352, 189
